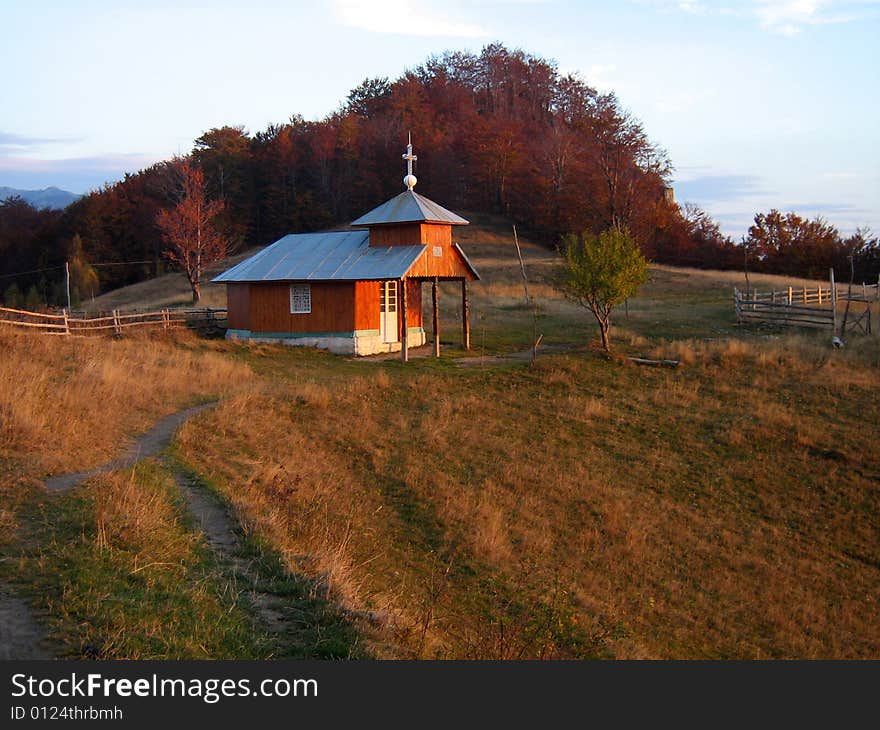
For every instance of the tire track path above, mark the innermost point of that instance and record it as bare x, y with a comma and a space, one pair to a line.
21, 636
150, 444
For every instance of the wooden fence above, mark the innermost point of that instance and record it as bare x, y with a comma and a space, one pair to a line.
781, 312
114, 322
813, 307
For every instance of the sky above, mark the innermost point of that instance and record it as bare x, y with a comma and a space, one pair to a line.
760, 104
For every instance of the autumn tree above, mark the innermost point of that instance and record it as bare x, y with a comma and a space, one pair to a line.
864, 248
84, 280
786, 243
188, 229
600, 272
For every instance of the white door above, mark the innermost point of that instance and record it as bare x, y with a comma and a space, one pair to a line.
388, 311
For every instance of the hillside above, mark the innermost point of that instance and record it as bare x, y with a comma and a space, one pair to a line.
580, 507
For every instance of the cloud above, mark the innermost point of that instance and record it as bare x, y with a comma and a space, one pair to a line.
784, 17
133, 162
597, 75
405, 17
11, 143
824, 209
715, 188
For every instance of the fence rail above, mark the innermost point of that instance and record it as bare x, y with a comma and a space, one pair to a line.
115, 322
815, 294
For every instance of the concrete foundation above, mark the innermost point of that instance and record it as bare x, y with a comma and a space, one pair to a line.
359, 342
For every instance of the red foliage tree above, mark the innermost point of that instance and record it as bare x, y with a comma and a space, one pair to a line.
188, 228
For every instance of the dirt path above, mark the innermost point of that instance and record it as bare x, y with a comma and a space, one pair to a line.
150, 444
20, 631
514, 357
219, 529
20, 635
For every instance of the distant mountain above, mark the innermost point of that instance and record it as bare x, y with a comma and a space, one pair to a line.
47, 198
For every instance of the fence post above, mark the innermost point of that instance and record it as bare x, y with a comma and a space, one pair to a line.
789, 296
819, 291
116, 321
66, 324
833, 303
805, 295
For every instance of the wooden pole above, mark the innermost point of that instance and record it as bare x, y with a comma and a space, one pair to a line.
436, 318
67, 282
66, 324
522, 267
404, 330
533, 305
465, 317
833, 294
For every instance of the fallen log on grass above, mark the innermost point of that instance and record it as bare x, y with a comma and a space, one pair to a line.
655, 363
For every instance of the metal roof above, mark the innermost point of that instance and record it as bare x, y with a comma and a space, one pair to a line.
409, 207
334, 256
467, 260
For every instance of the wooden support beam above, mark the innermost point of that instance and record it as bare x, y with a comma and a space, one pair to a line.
465, 317
404, 329
436, 318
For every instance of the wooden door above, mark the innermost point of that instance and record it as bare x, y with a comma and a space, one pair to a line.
388, 311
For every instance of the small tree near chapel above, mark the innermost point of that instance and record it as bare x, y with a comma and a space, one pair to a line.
600, 272
188, 230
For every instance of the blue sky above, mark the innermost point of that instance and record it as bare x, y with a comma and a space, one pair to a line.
760, 103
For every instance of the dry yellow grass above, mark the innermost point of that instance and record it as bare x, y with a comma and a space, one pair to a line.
70, 404
652, 513
580, 507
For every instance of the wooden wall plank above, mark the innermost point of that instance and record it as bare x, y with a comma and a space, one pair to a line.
332, 308
238, 306
414, 300
449, 265
366, 302
402, 234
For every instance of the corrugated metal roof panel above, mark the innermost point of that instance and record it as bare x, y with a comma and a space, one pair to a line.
409, 207
333, 256
467, 261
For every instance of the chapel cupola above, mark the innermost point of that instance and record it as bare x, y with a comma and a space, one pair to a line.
409, 219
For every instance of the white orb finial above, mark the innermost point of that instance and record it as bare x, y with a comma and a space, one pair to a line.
410, 181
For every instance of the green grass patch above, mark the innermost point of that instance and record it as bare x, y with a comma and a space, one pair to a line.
119, 573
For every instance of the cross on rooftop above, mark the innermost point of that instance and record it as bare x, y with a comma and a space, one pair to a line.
410, 179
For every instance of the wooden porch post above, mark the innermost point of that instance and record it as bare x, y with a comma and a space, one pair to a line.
404, 333
436, 318
465, 317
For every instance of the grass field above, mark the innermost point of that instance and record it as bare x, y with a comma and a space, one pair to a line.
580, 507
